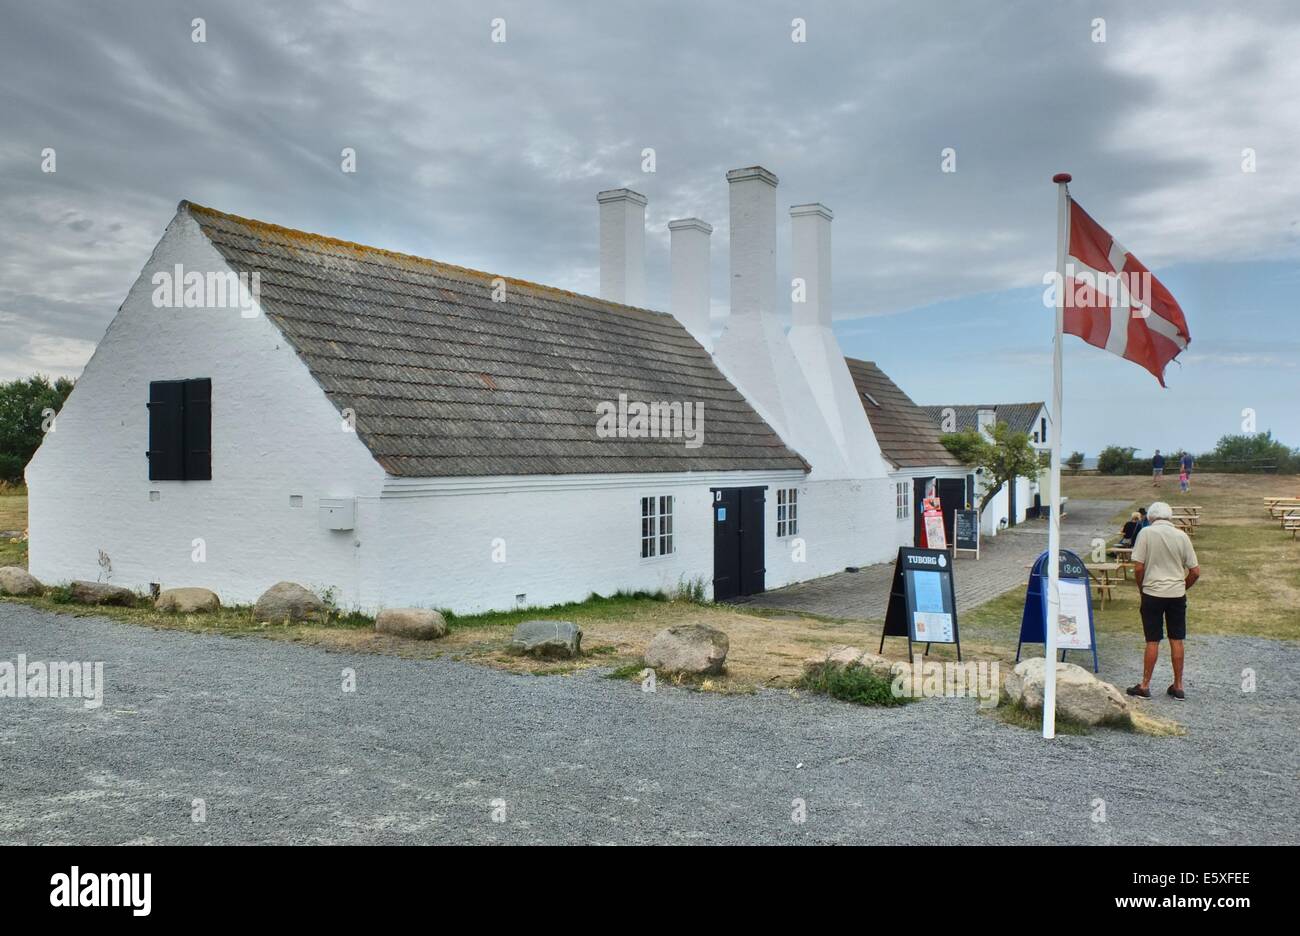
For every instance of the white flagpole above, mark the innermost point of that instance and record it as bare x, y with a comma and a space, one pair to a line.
1062, 180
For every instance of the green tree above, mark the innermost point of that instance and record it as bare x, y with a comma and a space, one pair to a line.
1075, 462
24, 408
1115, 459
1259, 450
1005, 456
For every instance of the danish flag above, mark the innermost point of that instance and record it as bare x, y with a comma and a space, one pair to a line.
1112, 301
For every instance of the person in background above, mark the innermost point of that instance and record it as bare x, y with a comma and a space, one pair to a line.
1183, 479
1186, 472
1165, 566
1130, 531
1157, 468
1143, 522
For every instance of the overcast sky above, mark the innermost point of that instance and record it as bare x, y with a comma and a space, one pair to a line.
489, 154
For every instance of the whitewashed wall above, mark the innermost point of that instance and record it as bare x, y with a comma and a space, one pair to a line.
274, 434
432, 542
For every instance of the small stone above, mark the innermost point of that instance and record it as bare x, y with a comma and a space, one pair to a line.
547, 639
688, 648
188, 601
411, 623
15, 580
288, 601
101, 593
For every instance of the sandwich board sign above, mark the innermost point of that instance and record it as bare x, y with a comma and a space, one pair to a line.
1075, 627
922, 600
932, 524
966, 531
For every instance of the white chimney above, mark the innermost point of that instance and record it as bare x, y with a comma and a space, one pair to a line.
689, 257
985, 420
811, 262
751, 349
753, 244
622, 246
818, 352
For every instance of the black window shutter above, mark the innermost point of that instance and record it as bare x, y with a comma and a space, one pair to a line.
166, 454
198, 430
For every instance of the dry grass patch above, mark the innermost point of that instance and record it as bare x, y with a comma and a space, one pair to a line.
1250, 568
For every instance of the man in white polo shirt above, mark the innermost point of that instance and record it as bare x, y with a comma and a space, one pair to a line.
1165, 566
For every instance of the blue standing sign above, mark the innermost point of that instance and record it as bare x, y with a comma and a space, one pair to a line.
1075, 627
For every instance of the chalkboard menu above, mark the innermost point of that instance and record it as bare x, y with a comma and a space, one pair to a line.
966, 531
922, 600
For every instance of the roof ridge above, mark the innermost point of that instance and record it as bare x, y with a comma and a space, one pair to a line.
195, 208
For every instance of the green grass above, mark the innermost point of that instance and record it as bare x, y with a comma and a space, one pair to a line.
594, 607
855, 684
631, 671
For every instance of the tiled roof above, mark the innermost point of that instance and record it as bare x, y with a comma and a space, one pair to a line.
1021, 417
907, 436
445, 381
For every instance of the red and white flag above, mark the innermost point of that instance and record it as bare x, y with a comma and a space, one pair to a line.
1112, 301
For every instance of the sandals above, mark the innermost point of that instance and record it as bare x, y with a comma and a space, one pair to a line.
1140, 692
1178, 694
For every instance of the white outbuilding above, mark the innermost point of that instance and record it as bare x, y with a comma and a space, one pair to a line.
273, 405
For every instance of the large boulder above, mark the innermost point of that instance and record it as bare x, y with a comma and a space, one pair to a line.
547, 639
411, 623
688, 648
287, 601
18, 581
102, 593
1080, 695
188, 601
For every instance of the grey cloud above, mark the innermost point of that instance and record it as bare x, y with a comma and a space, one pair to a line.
489, 155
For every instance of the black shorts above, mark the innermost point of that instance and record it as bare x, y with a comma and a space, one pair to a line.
1159, 612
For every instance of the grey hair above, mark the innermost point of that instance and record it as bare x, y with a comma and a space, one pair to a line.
1160, 511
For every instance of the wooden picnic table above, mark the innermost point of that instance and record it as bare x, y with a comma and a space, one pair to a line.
1277, 506
1101, 575
1123, 558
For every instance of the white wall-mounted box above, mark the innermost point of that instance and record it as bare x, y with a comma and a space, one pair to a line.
338, 513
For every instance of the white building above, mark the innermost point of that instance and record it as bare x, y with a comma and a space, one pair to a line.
270, 404
1013, 503
919, 465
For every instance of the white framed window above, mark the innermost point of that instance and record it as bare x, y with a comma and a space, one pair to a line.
657, 526
787, 512
903, 500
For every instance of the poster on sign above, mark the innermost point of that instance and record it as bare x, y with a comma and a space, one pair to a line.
932, 521
1074, 630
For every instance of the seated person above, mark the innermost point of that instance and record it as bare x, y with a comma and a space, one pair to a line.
1131, 528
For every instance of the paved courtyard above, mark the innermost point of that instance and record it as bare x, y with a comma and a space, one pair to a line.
1003, 564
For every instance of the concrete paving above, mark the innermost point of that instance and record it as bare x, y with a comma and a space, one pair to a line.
1004, 563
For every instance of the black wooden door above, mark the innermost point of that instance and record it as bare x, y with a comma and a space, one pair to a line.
739, 564
726, 544
952, 495
753, 563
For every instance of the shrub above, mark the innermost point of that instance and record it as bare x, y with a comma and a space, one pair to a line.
1115, 460
854, 683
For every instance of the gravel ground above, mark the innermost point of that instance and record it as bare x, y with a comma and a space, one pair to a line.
261, 731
